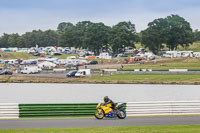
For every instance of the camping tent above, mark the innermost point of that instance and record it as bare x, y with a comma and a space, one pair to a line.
46, 64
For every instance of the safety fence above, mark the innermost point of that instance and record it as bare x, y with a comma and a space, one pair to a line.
13, 110
56, 110
163, 108
9, 110
160, 70
125, 70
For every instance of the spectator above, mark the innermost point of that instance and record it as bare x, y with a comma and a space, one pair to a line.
77, 67
121, 67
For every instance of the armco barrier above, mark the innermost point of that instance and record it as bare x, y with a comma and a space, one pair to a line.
193, 70
9, 110
178, 70
56, 110
163, 108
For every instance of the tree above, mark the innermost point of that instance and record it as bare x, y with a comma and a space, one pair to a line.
172, 30
155, 35
179, 32
122, 35
50, 38
12, 40
62, 27
97, 37
196, 35
81, 30
39, 37
4, 41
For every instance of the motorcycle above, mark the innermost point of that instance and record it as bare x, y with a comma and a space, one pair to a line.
106, 111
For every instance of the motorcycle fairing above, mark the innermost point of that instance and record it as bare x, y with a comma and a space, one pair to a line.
110, 114
106, 109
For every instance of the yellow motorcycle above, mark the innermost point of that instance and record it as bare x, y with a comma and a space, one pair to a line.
106, 111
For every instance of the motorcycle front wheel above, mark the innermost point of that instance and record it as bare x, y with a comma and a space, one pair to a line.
121, 114
99, 114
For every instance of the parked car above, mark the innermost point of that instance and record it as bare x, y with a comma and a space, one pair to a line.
6, 72
36, 54
72, 64
124, 55
92, 62
33, 62
57, 53
120, 55
42, 55
69, 65
71, 73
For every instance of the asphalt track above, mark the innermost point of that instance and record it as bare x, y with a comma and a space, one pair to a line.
92, 122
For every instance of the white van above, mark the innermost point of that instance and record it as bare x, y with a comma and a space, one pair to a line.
197, 54
30, 70
83, 73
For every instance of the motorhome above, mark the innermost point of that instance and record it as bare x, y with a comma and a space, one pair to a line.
178, 54
196, 54
186, 53
30, 70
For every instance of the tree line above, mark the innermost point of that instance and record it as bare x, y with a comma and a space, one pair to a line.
173, 31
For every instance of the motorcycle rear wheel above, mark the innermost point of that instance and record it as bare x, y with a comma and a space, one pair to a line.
121, 114
99, 114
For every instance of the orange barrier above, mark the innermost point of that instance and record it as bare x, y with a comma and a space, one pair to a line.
91, 57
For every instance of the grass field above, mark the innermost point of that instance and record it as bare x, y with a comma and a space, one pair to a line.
192, 47
15, 55
179, 63
26, 56
139, 129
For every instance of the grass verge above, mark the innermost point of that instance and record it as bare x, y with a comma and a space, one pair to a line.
147, 78
138, 129
116, 78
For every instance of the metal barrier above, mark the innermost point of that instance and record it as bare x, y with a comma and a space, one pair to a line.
163, 108
57, 110
9, 110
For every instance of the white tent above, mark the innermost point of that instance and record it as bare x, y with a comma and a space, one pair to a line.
46, 64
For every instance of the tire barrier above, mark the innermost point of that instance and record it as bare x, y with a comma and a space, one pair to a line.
9, 110
163, 108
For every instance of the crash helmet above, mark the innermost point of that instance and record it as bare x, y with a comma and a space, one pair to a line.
106, 99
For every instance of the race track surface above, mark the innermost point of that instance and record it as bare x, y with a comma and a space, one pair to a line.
92, 122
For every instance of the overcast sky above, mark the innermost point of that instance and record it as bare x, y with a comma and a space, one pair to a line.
20, 16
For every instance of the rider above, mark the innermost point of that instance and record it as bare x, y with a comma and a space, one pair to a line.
109, 101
